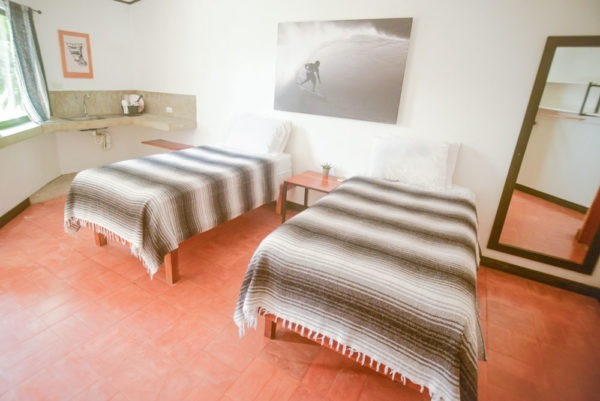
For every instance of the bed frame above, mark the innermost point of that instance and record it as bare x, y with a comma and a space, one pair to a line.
271, 322
171, 261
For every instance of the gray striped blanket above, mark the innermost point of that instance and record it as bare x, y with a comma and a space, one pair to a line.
387, 271
154, 203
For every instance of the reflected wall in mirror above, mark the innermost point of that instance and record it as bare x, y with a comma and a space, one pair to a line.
550, 206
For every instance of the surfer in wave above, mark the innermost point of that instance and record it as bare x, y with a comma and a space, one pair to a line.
312, 74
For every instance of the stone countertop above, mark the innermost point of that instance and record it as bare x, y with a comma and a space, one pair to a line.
158, 122
30, 130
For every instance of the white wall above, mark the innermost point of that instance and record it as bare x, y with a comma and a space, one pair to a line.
575, 64
29, 165
111, 42
571, 71
78, 150
561, 158
470, 70
26, 167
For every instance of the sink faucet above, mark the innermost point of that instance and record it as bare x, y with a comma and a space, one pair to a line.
85, 98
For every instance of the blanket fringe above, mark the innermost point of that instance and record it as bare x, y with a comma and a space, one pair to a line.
73, 224
251, 321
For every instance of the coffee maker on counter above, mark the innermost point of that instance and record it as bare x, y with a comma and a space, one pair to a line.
133, 105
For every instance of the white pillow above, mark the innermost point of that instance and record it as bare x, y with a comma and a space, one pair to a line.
258, 135
425, 163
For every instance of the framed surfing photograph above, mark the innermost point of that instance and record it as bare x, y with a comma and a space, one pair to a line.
347, 68
76, 54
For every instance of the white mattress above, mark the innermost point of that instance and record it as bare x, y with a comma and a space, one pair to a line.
282, 165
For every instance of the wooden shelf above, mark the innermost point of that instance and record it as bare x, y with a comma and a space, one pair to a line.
161, 143
561, 113
568, 83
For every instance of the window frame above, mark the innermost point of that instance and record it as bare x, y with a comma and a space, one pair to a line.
20, 119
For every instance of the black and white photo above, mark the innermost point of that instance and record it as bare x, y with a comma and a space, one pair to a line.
349, 69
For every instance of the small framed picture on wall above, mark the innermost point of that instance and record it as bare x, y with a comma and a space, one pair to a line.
76, 54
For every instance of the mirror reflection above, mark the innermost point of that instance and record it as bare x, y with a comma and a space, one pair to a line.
550, 209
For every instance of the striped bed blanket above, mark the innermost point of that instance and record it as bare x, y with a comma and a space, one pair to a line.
154, 203
387, 271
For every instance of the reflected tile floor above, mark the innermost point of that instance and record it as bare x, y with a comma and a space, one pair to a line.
542, 226
78, 322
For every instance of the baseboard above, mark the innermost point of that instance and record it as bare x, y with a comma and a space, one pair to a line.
541, 277
14, 212
551, 198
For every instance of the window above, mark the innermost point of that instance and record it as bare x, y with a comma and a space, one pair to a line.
11, 106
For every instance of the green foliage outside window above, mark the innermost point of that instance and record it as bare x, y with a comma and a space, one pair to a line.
11, 108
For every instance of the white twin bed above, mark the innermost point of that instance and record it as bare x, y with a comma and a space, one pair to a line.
383, 270
154, 203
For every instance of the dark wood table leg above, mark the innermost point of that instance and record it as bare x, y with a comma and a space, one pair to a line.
284, 202
279, 200
305, 197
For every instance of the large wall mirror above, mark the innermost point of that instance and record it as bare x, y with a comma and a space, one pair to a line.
550, 206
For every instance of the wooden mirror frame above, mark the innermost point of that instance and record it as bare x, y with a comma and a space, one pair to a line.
591, 257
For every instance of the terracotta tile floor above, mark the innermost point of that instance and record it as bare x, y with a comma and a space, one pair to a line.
79, 322
536, 224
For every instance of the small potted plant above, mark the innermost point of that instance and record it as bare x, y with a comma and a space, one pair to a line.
326, 168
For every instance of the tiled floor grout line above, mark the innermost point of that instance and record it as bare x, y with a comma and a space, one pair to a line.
523, 320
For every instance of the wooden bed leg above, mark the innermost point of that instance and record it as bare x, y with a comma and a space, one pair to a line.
99, 239
270, 327
172, 267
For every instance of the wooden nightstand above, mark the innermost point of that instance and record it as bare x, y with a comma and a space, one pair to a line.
307, 180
